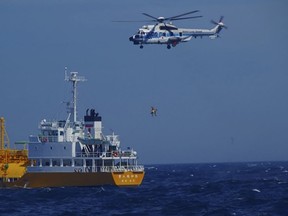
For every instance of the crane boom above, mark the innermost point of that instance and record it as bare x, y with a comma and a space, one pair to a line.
4, 139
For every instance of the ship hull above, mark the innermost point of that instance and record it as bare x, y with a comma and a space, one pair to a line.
39, 180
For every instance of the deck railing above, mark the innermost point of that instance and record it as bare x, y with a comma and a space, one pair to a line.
124, 168
114, 154
11, 155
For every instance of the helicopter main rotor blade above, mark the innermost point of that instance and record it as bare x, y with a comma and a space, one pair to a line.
155, 18
186, 18
169, 18
161, 19
221, 18
166, 27
214, 22
133, 21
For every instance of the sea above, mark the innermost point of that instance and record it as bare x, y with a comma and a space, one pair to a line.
259, 188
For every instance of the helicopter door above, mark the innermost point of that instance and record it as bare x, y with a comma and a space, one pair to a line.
162, 37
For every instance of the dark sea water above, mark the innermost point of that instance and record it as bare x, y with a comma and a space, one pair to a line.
182, 189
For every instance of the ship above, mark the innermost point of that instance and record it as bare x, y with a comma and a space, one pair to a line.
74, 153
13, 162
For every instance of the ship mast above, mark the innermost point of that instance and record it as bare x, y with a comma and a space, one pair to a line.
74, 78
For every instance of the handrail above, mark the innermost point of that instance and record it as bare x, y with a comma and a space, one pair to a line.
122, 168
45, 139
14, 152
114, 154
131, 168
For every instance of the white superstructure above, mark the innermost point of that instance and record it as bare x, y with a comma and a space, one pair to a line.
75, 146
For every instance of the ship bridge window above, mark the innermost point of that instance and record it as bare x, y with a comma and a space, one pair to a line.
54, 133
67, 162
56, 162
45, 162
112, 148
36, 162
62, 123
89, 162
78, 162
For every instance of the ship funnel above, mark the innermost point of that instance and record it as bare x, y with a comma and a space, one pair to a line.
93, 124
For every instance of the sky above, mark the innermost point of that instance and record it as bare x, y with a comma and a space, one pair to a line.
223, 100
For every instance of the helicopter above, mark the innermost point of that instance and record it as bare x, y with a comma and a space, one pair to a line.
167, 33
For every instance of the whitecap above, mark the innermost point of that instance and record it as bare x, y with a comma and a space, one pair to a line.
252, 165
282, 182
256, 190
151, 168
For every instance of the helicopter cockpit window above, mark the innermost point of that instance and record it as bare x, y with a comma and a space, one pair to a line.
141, 33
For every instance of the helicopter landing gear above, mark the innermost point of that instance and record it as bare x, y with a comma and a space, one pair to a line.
168, 46
141, 46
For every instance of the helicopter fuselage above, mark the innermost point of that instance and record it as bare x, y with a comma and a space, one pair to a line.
164, 33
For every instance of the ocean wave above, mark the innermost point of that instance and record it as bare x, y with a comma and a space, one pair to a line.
179, 189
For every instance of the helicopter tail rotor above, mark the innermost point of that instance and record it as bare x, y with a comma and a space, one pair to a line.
220, 23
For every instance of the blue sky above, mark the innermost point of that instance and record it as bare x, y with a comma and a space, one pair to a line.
221, 100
